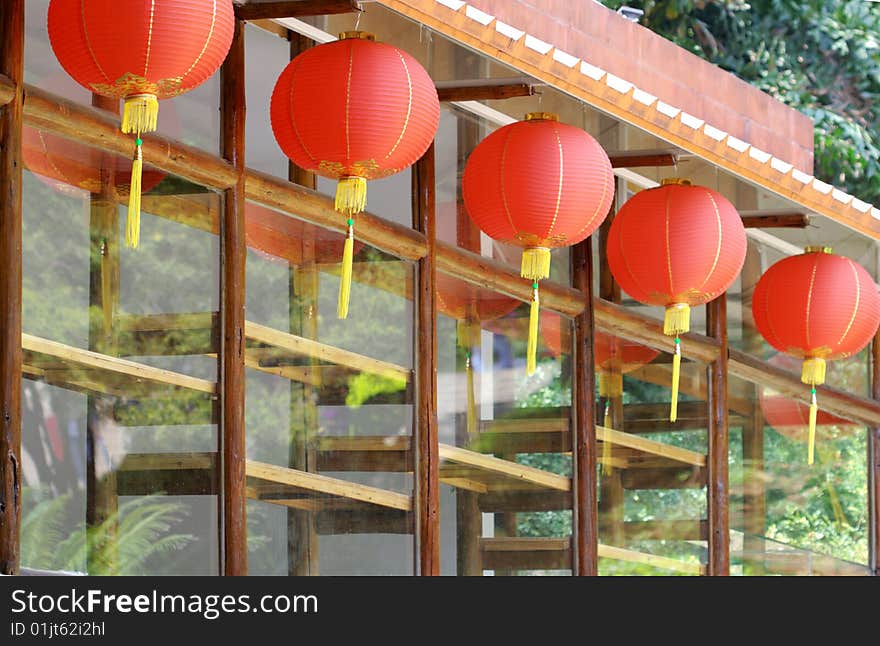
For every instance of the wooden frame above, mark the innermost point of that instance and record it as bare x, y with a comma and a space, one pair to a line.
12, 67
233, 255
586, 526
427, 456
718, 490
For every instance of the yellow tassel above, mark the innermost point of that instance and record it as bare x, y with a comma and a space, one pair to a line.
106, 288
606, 444
345, 278
677, 319
140, 114
610, 384
813, 371
811, 444
471, 414
532, 350
351, 195
133, 222
535, 263
676, 373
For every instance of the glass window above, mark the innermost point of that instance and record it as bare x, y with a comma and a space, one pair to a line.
119, 431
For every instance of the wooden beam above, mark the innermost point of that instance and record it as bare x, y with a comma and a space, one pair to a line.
293, 9
718, 490
661, 562
85, 359
642, 159
618, 438
788, 384
313, 482
624, 322
233, 255
874, 467
664, 478
306, 347
583, 430
506, 468
521, 553
97, 128
776, 221
318, 209
665, 530
496, 276
484, 91
12, 69
427, 456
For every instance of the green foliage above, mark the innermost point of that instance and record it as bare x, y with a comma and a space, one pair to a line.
821, 57
53, 536
364, 386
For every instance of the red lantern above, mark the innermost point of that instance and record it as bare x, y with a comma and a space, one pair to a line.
678, 246
140, 51
470, 305
354, 110
538, 184
816, 306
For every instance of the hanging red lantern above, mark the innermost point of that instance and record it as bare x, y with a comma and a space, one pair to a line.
678, 246
817, 307
538, 184
354, 110
140, 51
790, 417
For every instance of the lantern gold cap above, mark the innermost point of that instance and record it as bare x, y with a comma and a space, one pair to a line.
680, 181
363, 35
817, 249
541, 116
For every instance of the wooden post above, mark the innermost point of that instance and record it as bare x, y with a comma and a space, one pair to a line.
717, 489
586, 535
232, 305
610, 484
428, 457
101, 496
12, 66
302, 535
874, 467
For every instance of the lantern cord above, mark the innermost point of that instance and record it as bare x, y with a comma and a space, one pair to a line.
133, 221
345, 278
676, 373
535, 263
471, 414
677, 319
106, 288
532, 349
351, 195
606, 443
814, 410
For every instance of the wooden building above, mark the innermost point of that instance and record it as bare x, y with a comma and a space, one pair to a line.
194, 406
